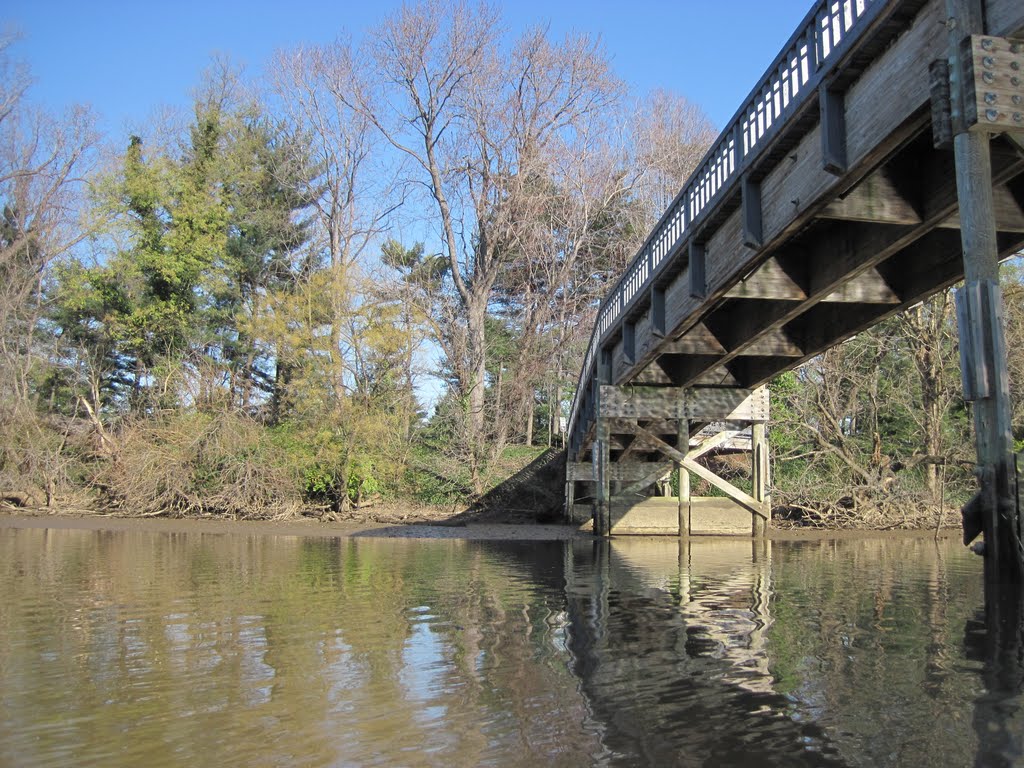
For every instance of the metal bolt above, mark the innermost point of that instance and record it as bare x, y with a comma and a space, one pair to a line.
986, 44
1014, 65
988, 62
990, 98
1018, 117
1014, 47
1017, 98
988, 77
992, 115
1015, 81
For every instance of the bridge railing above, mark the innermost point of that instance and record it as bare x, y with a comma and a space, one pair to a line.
786, 85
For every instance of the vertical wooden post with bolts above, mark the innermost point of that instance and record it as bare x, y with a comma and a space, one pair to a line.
979, 315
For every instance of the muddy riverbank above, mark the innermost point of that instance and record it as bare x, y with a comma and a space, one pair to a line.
414, 528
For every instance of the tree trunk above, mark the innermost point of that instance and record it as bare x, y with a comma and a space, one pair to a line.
529, 418
475, 317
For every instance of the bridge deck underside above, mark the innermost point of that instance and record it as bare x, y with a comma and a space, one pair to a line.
799, 258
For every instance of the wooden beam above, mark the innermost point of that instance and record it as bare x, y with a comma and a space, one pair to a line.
778, 278
736, 322
991, 92
618, 471
942, 118
570, 497
683, 478
876, 199
642, 402
719, 376
929, 263
730, 490
776, 343
869, 287
1007, 200
934, 261
683, 368
652, 375
683, 509
741, 405
621, 406
711, 443
699, 340
652, 476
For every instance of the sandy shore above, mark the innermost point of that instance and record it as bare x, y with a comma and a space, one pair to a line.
351, 529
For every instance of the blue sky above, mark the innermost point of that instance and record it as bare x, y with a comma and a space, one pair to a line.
128, 58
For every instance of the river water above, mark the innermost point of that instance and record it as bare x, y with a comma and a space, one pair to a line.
191, 649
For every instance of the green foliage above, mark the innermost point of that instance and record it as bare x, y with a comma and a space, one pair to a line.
417, 267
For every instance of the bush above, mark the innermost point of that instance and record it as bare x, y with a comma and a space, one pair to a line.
42, 459
198, 464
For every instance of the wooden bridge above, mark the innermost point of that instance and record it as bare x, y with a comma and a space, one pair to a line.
829, 202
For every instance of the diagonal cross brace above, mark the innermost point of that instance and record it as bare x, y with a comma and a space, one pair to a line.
740, 497
711, 443
650, 479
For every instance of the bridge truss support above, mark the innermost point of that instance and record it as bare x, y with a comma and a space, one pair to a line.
643, 434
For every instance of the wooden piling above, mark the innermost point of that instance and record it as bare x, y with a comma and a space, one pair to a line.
602, 511
983, 338
684, 500
759, 460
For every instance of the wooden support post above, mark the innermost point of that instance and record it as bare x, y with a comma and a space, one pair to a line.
683, 477
570, 493
981, 271
602, 502
684, 500
759, 455
604, 367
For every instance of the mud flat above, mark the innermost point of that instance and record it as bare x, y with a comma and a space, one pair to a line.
417, 529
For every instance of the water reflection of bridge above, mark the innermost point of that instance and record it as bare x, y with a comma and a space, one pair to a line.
670, 649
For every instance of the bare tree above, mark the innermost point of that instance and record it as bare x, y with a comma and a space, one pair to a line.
43, 160
604, 185
1013, 302
351, 197
670, 140
478, 124
929, 333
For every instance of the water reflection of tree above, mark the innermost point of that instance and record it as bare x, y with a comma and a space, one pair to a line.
174, 649
866, 639
185, 649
